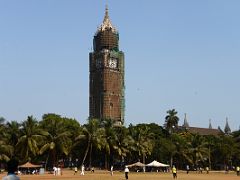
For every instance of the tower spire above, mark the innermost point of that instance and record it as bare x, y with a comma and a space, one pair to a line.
106, 13
106, 24
210, 124
227, 129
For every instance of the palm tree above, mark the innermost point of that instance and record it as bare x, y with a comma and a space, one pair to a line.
211, 142
110, 138
13, 132
143, 140
31, 135
124, 143
93, 134
168, 148
57, 139
181, 151
6, 151
227, 148
171, 120
198, 150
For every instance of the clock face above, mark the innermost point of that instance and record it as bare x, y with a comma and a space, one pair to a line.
113, 63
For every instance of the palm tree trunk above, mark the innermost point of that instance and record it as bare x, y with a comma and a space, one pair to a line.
143, 156
171, 160
106, 160
47, 160
54, 157
209, 158
90, 156
86, 152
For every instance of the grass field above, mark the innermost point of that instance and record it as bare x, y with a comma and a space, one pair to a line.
104, 175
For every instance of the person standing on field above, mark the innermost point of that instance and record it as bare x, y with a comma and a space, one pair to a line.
238, 170
111, 170
126, 170
75, 170
207, 169
187, 168
174, 172
82, 170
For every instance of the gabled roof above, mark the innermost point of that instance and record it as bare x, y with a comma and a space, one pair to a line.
204, 131
29, 165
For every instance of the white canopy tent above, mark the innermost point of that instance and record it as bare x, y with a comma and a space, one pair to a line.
157, 164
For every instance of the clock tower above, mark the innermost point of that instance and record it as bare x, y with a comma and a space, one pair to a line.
106, 66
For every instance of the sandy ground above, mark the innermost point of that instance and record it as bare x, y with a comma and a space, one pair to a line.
104, 175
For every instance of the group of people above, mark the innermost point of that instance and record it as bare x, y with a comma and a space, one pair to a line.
126, 171
82, 170
57, 171
12, 166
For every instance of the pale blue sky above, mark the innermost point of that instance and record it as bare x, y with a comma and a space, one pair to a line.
179, 54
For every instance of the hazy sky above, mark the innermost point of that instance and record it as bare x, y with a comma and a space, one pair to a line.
178, 54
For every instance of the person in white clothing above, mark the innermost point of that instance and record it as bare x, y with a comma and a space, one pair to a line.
54, 170
111, 170
126, 170
82, 170
58, 171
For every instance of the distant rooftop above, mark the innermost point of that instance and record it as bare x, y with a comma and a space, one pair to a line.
202, 131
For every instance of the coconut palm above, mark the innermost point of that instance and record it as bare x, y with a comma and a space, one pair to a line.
143, 140
181, 151
13, 132
199, 150
211, 142
31, 135
6, 151
109, 140
171, 120
124, 143
93, 134
226, 148
57, 139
